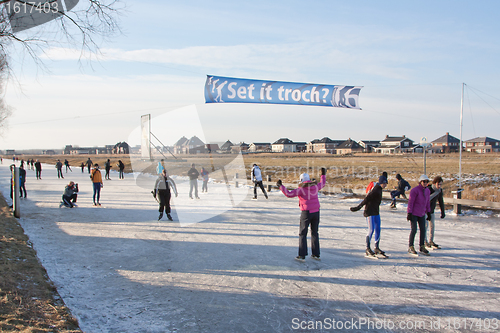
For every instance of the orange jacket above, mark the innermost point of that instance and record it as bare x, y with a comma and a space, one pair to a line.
95, 175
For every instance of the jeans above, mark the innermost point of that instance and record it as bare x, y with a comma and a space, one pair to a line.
193, 183
307, 219
97, 192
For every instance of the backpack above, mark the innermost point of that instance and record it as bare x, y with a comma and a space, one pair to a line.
370, 187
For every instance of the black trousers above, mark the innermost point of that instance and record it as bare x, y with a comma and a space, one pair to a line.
259, 184
420, 220
307, 219
164, 197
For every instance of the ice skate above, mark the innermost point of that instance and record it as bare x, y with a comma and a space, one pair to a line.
370, 254
424, 251
169, 217
160, 216
381, 254
300, 258
411, 251
315, 257
434, 246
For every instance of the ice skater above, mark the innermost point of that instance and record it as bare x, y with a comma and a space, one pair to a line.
418, 207
193, 182
38, 169
22, 181
436, 196
372, 213
399, 190
162, 193
121, 167
66, 163
257, 180
107, 167
309, 215
204, 177
59, 166
96, 178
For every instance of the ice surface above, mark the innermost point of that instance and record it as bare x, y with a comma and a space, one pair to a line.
120, 270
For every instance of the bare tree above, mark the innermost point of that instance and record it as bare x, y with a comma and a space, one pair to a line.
83, 27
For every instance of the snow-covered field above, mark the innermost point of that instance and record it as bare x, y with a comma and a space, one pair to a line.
120, 270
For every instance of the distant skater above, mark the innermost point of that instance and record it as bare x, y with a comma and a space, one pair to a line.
193, 181
59, 166
89, 164
372, 213
121, 167
96, 178
107, 167
162, 192
82, 166
38, 169
257, 180
66, 163
204, 177
309, 215
436, 196
22, 181
418, 207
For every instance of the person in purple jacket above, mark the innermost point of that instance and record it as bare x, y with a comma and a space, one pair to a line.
418, 207
309, 206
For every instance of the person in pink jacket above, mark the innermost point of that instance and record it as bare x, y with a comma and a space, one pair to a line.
309, 206
418, 207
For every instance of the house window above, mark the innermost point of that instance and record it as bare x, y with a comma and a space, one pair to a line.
406, 144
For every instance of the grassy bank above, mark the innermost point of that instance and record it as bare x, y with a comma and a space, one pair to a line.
28, 300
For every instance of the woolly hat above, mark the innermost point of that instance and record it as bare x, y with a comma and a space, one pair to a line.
382, 180
423, 177
304, 177
398, 176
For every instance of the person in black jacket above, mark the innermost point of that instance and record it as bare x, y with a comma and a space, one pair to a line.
162, 193
38, 168
59, 166
121, 167
399, 190
436, 197
107, 167
193, 182
372, 213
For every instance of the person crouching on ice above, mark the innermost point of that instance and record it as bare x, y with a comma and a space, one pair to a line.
162, 193
309, 206
372, 213
69, 195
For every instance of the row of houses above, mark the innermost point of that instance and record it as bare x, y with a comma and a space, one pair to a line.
119, 148
389, 145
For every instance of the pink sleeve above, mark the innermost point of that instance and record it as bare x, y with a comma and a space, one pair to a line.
289, 194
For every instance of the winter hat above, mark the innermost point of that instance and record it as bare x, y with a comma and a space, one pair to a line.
304, 178
382, 180
423, 177
398, 176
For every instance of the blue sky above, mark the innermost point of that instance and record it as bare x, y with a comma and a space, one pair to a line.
411, 59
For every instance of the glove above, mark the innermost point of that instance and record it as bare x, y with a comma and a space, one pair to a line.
355, 209
176, 195
323, 171
443, 215
428, 216
279, 183
409, 216
153, 193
